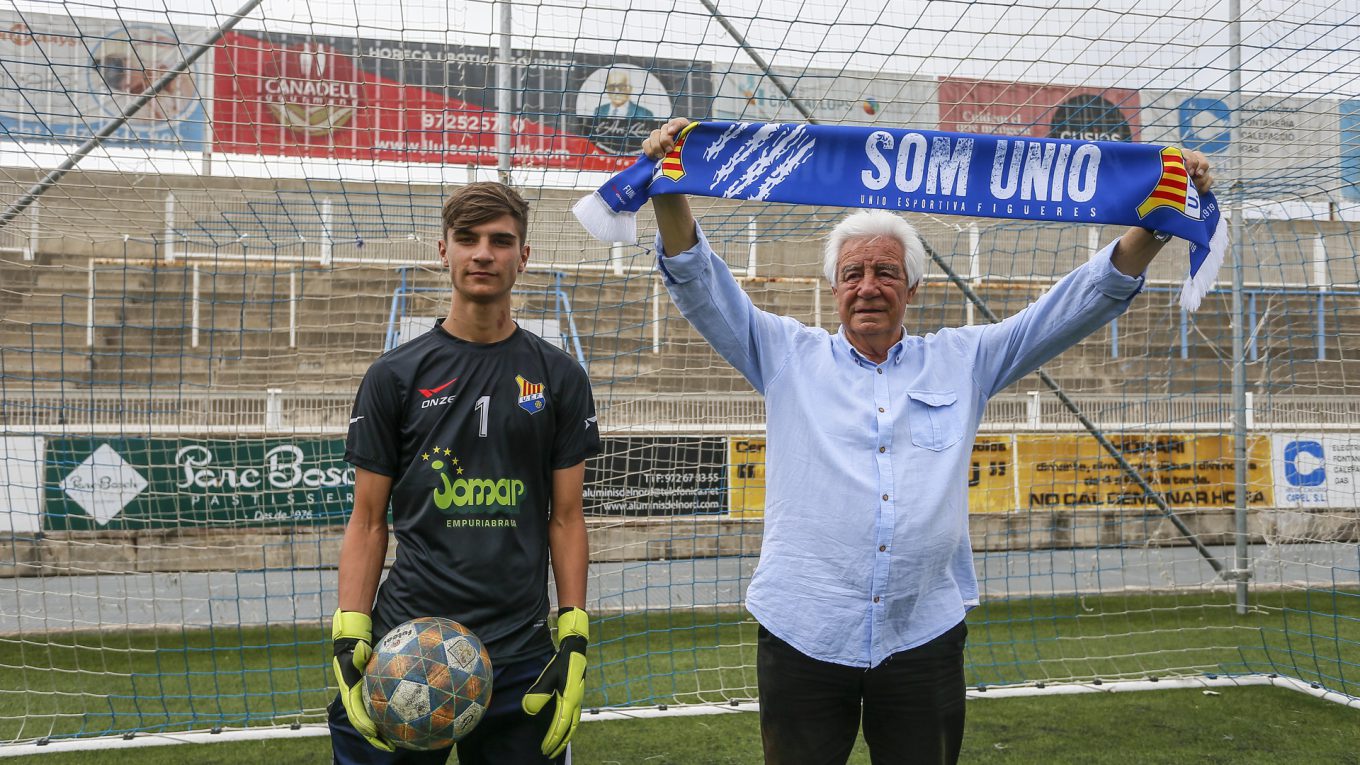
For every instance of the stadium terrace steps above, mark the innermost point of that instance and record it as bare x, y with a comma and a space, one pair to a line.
143, 329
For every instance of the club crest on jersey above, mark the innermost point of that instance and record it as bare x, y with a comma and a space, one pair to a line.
530, 395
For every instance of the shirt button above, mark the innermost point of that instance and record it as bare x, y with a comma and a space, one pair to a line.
875, 598
885, 497
882, 548
880, 370
882, 449
881, 410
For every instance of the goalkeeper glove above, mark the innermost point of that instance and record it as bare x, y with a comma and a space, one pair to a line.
352, 639
563, 680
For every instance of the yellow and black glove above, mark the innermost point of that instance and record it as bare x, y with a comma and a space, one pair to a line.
563, 680
352, 640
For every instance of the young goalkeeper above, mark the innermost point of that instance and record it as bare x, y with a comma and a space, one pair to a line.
476, 433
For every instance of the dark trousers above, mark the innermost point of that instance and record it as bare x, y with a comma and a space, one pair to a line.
505, 736
911, 704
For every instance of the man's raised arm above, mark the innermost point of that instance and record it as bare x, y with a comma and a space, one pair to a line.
674, 220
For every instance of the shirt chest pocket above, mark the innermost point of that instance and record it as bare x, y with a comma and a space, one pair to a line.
935, 418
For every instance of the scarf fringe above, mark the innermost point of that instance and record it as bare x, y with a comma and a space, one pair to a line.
1201, 283
603, 223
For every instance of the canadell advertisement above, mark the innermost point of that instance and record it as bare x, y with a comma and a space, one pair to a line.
346, 98
130, 483
64, 78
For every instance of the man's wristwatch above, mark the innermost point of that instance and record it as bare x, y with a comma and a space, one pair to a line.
1161, 236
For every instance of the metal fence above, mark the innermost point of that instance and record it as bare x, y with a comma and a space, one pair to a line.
276, 411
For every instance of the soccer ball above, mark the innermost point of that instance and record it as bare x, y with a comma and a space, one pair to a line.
427, 684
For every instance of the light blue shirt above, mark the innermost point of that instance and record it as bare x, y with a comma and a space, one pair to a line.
866, 549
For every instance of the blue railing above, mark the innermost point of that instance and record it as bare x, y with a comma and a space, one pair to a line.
561, 311
1251, 294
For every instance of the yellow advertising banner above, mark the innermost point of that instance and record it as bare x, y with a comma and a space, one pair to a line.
746, 477
1064, 471
991, 476
991, 480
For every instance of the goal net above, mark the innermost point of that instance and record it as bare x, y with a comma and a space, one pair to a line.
191, 290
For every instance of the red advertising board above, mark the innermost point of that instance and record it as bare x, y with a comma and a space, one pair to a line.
1042, 111
340, 98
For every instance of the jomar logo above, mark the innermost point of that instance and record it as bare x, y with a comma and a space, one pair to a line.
503, 494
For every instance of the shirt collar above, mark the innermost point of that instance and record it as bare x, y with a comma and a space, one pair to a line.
895, 354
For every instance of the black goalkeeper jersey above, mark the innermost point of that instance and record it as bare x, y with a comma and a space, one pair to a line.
470, 434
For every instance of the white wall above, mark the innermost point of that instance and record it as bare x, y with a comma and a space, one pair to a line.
21, 482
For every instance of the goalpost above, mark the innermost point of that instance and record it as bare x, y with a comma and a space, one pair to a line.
215, 221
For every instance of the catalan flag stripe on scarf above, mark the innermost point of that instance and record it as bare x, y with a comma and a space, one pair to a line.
1023, 178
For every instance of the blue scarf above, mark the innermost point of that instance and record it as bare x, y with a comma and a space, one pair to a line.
1083, 182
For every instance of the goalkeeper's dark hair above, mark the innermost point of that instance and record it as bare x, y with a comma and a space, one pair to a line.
477, 203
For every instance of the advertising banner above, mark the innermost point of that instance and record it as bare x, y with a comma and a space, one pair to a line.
64, 78
1282, 138
1191, 471
21, 484
991, 480
347, 98
746, 477
1350, 148
991, 477
133, 483
1316, 470
657, 476
834, 97
1042, 111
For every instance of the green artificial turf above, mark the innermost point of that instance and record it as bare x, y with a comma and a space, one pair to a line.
114, 682
1234, 726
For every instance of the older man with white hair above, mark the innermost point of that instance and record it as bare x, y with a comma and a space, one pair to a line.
866, 572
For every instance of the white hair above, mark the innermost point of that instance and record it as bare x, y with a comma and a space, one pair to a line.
866, 224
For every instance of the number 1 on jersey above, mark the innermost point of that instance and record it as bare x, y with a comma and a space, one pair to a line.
484, 410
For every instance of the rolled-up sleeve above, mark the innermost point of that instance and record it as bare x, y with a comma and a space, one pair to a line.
1110, 280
